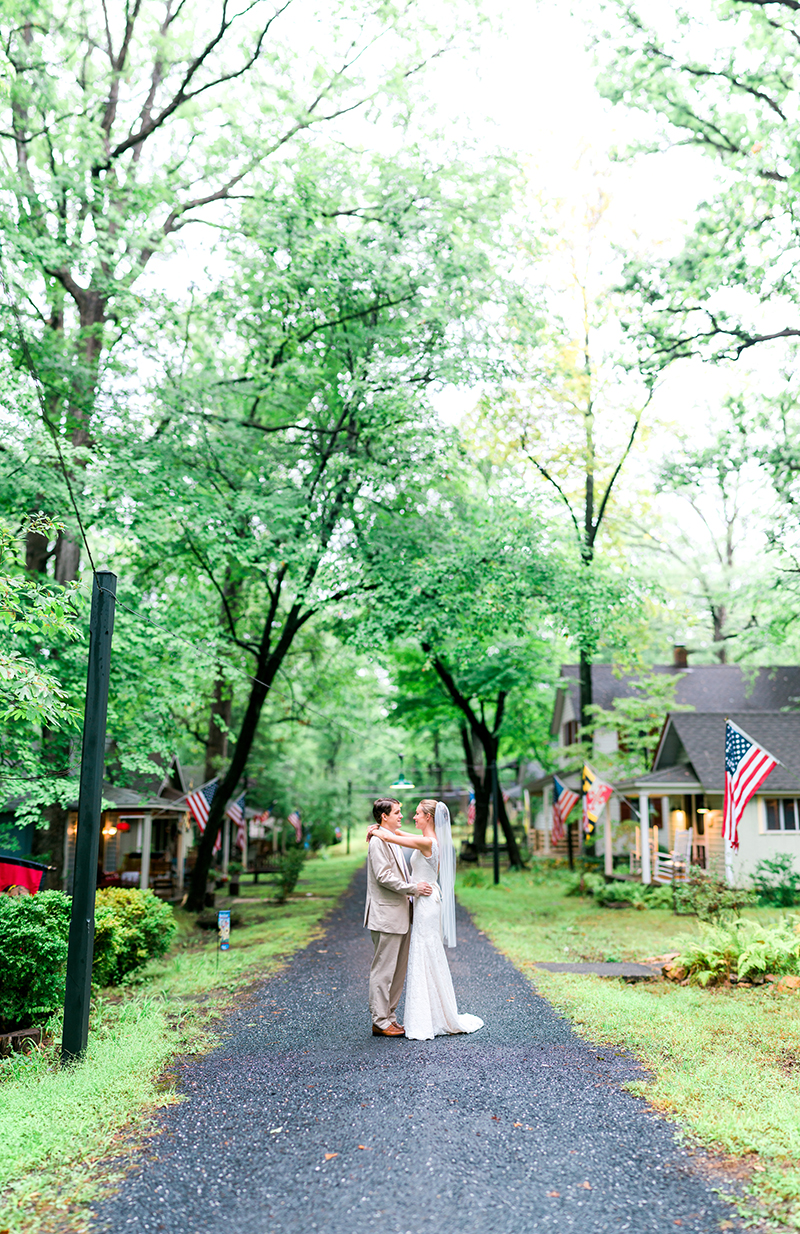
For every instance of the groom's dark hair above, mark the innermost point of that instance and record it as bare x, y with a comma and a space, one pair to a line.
383, 806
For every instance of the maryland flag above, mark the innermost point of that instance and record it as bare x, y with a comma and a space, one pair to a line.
595, 795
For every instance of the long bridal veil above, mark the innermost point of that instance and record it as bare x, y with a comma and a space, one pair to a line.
447, 873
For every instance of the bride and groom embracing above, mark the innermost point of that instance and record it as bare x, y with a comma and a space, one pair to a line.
431, 1009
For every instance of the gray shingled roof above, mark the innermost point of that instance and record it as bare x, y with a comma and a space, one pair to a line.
698, 738
706, 687
130, 799
678, 779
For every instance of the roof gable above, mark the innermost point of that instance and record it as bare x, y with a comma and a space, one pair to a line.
698, 739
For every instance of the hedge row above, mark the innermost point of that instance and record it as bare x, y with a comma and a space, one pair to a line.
131, 927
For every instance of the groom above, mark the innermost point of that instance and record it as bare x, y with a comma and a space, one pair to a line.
388, 917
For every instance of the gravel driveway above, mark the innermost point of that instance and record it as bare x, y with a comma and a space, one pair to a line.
304, 1121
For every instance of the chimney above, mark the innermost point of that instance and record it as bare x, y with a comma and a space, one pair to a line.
680, 656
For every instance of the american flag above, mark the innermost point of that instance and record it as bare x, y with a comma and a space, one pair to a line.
746, 768
471, 810
199, 802
294, 819
563, 801
235, 812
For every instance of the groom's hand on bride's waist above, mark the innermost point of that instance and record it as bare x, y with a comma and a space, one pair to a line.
423, 889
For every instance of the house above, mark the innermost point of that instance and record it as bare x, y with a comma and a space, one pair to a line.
712, 690
685, 788
704, 687
144, 832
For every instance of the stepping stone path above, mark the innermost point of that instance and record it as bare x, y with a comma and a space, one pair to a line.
302, 1120
632, 972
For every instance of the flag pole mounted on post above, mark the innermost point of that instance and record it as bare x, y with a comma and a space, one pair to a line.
87, 840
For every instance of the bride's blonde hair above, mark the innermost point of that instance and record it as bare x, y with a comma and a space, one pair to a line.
429, 806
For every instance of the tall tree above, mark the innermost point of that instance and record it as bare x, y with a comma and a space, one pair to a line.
709, 551
123, 126
293, 403
461, 584
571, 405
720, 78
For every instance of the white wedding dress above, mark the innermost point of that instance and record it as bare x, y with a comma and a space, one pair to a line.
431, 1009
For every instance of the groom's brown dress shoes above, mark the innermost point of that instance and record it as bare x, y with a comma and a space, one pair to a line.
394, 1030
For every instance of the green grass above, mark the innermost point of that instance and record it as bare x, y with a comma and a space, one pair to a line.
725, 1063
65, 1134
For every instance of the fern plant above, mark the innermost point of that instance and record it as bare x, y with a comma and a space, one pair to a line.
743, 949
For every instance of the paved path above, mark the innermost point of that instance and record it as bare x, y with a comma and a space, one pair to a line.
520, 1127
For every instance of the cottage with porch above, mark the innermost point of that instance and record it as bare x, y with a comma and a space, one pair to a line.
684, 793
707, 688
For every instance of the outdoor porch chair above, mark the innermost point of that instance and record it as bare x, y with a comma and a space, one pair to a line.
674, 867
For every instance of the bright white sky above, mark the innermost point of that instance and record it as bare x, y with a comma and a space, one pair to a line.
531, 91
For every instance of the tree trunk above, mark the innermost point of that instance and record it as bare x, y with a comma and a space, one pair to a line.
483, 794
719, 616
68, 557
267, 667
585, 679
36, 553
48, 845
217, 743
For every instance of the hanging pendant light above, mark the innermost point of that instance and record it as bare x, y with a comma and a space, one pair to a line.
401, 782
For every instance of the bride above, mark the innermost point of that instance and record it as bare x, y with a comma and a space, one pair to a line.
431, 1009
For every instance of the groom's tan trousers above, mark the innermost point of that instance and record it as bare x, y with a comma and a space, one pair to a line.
387, 975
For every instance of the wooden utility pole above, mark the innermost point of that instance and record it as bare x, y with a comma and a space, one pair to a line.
87, 840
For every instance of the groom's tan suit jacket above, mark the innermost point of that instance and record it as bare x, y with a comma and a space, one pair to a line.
387, 909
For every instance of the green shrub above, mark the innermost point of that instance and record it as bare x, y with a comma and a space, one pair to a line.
33, 955
659, 895
291, 865
131, 927
321, 835
711, 898
621, 893
742, 949
776, 881
585, 884
473, 877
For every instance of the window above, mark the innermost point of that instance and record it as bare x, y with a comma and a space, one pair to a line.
570, 732
782, 814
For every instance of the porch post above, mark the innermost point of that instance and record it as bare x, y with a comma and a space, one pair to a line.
644, 832
180, 857
147, 840
609, 840
545, 813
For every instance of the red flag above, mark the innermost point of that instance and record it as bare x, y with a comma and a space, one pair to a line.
17, 872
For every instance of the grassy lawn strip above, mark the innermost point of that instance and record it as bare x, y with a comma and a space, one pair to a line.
55, 1126
725, 1063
